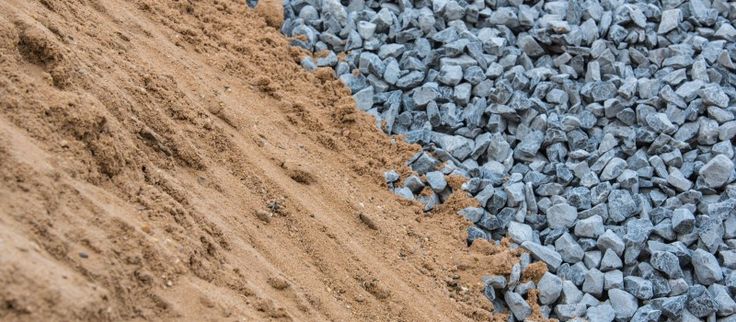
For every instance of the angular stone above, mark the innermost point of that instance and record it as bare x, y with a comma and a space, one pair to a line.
549, 287
518, 306
716, 172
609, 240
699, 301
569, 249
713, 95
592, 259
610, 261
682, 221
671, 307
707, 269
561, 215
666, 263
639, 287
623, 303
591, 227
519, 232
404, 193
670, 20
621, 205
570, 293
450, 75
569, 311
601, 313
436, 181
726, 304
646, 313
364, 98
593, 284
530, 46
613, 280
613, 169
545, 254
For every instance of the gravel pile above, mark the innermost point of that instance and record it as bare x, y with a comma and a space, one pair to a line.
597, 135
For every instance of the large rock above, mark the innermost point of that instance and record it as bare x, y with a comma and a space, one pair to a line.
716, 172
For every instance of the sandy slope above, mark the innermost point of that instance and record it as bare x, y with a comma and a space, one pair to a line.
170, 160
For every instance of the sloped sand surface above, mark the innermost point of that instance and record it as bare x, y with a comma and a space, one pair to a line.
170, 160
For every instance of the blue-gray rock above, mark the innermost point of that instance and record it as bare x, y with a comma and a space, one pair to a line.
682, 221
594, 281
391, 176
561, 215
475, 233
568, 312
646, 313
721, 295
671, 307
620, 205
518, 306
366, 29
364, 98
601, 313
613, 279
613, 169
414, 184
529, 146
495, 281
410, 80
436, 180
699, 301
569, 249
570, 293
666, 263
458, 146
707, 269
549, 287
450, 74
592, 258
639, 287
713, 94
670, 20
623, 303
716, 172
545, 254
678, 286
504, 16
354, 83
472, 214
610, 261
392, 71
404, 192
591, 227
530, 46
609, 240
519, 232
423, 163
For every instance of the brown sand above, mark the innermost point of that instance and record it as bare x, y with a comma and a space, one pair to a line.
170, 160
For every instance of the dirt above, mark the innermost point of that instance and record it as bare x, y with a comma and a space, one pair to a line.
170, 160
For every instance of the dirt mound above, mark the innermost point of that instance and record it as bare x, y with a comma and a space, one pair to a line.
171, 159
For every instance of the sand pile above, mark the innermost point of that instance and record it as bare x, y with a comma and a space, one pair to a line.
171, 160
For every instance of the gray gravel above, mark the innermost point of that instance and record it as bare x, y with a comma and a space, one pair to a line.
597, 134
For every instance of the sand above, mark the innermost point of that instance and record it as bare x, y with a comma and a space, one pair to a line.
170, 160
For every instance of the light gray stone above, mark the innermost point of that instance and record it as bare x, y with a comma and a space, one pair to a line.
518, 306
549, 287
716, 172
545, 254
707, 269
561, 215
623, 303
